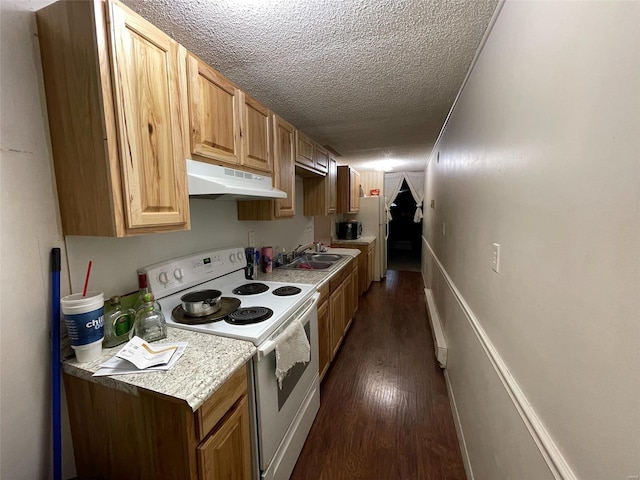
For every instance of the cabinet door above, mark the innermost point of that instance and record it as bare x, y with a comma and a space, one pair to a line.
149, 80
354, 191
255, 132
356, 289
226, 453
336, 311
321, 159
324, 338
284, 166
332, 179
304, 150
348, 302
214, 114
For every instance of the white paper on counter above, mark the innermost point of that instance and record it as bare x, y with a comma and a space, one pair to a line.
120, 366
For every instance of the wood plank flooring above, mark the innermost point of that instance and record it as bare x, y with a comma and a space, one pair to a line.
384, 411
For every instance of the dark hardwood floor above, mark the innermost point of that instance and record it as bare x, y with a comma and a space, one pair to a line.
384, 410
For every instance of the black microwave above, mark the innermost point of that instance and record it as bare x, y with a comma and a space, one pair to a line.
349, 230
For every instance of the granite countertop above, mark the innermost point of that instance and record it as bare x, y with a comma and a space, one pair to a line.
209, 360
314, 277
207, 363
364, 240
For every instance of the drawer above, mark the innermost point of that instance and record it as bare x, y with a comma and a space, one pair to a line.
335, 282
212, 411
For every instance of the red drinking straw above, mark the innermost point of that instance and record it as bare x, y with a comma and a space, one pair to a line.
86, 279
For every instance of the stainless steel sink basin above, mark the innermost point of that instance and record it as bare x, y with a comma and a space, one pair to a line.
326, 257
306, 264
313, 261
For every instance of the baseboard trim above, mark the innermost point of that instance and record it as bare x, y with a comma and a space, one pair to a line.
459, 431
556, 462
439, 342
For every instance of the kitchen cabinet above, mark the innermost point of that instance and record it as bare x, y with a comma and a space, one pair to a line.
355, 292
321, 158
337, 314
324, 337
335, 311
348, 190
150, 436
283, 179
116, 100
255, 132
226, 453
305, 148
320, 193
366, 262
348, 303
312, 159
228, 126
214, 114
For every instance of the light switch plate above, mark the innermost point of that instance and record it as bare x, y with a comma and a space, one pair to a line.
252, 238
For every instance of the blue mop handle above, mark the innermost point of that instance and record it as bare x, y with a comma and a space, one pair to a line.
55, 362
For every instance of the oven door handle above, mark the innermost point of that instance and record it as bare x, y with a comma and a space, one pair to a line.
269, 345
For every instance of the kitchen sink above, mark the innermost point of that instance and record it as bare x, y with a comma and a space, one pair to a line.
326, 257
313, 261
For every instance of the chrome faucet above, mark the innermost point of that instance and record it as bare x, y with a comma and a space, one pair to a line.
300, 249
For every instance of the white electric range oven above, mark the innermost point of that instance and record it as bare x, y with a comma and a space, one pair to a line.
258, 312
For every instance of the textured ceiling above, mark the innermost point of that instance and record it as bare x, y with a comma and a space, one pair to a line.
373, 79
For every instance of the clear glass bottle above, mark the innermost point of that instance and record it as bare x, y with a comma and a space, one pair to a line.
150, 323
118, 323
140, 300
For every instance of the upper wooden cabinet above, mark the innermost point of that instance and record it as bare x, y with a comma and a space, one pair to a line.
255, 132
284, 166
320, 193
283, 178
214, 114
116, 99
312, 159
322, 158
348, 190
305, 148
333, 185
227, 126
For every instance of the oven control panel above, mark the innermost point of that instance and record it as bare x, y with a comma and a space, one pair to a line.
172, 276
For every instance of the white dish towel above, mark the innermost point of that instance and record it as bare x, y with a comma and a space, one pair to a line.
292, 346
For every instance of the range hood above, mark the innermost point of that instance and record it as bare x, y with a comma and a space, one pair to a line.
206, 180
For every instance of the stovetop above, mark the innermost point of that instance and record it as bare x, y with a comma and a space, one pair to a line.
222, 270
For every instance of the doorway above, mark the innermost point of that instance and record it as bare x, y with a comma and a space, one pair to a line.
405, 236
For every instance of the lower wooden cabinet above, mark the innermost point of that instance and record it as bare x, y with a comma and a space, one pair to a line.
148, 436
324, 338
366, 263
226, 453
355, 274
335, 314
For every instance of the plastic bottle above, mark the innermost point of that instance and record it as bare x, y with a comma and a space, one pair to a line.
117, 323
150, 323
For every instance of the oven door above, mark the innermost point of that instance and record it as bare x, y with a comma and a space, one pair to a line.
277, 408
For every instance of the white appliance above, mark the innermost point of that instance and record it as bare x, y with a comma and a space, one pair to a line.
207, 180
282, 416
375, 223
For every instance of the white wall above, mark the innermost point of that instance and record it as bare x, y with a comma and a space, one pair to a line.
30, 227
214, 224
542, 155
371, 179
